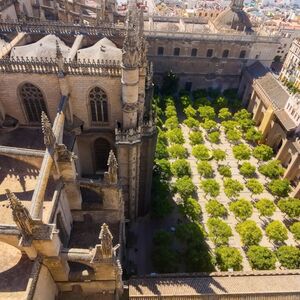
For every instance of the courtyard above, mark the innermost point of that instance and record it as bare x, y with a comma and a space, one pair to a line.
230, 208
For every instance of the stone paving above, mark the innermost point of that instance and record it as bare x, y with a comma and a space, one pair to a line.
235, 240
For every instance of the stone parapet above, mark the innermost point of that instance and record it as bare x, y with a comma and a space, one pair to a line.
44, 66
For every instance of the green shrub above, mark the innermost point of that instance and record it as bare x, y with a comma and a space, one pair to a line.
210, 187
261, 258
229, 258
214, 137
191, 122
224, 171
177, 151
289, 257
254, 186
185, 187
265, 207
241, 152
201, 152
232, 187
263, 152
180, 167
219, 231
172, 123
272, 169
250, 233
241, 208
253, 135
163, 167
170, 111
277, 232
233, 135
215, 209
207, 112
290, 206
247, 169
280, 187
295, 230
219, 154
196, 138
190, 111
175, 136
205, 169
209, 125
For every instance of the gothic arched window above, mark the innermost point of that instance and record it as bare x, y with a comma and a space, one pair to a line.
101, 148
98, 103
33, 102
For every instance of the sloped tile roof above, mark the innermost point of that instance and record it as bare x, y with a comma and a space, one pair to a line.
191, 286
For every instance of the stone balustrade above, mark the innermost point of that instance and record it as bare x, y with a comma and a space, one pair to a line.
49, 66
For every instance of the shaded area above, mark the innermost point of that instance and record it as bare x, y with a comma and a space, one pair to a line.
86, 234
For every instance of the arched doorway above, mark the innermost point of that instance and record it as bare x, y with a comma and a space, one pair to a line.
101, 150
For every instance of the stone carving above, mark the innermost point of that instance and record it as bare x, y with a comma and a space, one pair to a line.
63, 154
20, 214
112, 175
49, 138
149, 76
131, 55
105, 249
59, 60
130, 107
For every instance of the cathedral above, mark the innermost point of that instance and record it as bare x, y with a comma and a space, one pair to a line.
77, 145
78, 136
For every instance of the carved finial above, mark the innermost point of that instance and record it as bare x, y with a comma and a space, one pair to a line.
59, 60
130, 57
20, 214
112, 175
49, 138
105, 249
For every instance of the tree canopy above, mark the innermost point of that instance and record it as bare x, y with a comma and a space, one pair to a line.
289, 257
201, 152
191, 122
177, 151
232, 187
224, 171
241, 208
277, 232
241, 152
196, 138
263, 152
219, 231
205, 169
191, 209
254, 186
175, 136
272, 169
233, 135
280, 187
250, 233
247, 169
290, 206
261, 258
190, 111
214, 137
229, 258
253, 135
180, 167
210, 187
266, 207
295, 230
185, 187
224, 114
207, 112
215, 209
219, 154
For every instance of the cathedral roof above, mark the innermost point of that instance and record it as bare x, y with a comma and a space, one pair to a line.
2, 43
104, 49
233, 19
43, 48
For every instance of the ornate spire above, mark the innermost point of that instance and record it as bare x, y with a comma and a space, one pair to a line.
130, 57
20, 214
105, 249
142, 41
111, 175
59, 60
49, 138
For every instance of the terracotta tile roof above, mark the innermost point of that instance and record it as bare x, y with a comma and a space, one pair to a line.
190, 286
285, 119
